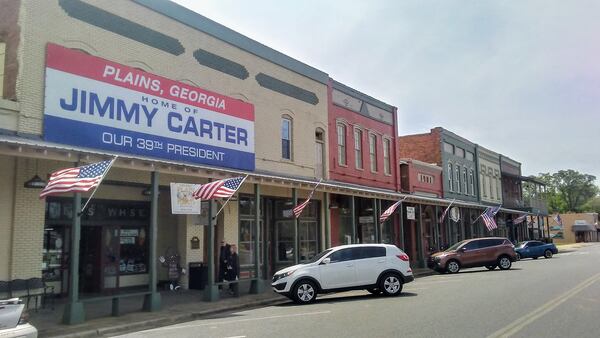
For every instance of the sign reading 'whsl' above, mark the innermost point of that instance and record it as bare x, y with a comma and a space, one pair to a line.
96, 103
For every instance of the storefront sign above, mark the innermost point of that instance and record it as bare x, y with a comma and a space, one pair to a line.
182, 201
365, 219
410, 213
96, 103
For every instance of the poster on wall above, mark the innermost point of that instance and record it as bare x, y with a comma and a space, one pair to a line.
410, 213
182, 201
96, 103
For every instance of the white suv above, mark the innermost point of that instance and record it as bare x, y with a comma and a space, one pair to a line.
378, 268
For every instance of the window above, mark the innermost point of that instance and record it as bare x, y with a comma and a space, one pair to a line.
464, 182
482, 181
457, 178
469, 156
319, 153
341, 255
472, 182
370, 252
286, 138
2, 56
373, 152
386, 157
498, 184
472, 245
448, 148
460, 152
425, 178
341, 140
358, 149
449, 174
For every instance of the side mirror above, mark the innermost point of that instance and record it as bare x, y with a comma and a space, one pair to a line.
326, 261
462, 249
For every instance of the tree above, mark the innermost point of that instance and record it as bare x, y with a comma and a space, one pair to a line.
568, 190
593, 205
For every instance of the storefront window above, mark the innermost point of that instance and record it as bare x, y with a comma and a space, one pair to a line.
133, 250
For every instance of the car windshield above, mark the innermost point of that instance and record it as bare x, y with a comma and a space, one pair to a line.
319, 256
455, 246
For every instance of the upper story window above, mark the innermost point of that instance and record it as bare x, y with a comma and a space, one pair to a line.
2, 57
498, 183
472, 182
358, 158
286, 138
464, 181
386, 157
457, 178
469, 156
373, 152
341, 141
482, 178
425, 178
449, 175
449, 148
460, 152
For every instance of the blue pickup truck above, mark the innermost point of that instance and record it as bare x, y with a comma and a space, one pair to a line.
535, 249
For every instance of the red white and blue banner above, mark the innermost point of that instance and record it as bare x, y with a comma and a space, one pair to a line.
92, 102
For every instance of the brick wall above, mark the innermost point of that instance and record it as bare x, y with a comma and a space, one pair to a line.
422, 147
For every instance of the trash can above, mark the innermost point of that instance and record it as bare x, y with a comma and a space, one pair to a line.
198, 275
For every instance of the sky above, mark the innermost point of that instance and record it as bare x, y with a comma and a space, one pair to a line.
521, 78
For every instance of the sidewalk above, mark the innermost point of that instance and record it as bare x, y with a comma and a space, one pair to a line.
177, 307
574, 246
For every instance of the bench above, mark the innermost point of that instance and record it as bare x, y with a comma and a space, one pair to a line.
115, 300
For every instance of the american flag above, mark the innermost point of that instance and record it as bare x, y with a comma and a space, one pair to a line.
488, 217
389, 211
77, 179
558, 219
446, 212
300, 207
520, 219
218, 189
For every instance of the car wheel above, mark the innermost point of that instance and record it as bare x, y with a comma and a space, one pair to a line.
374, 291
490, 267
504, 263
518, 256
453, 266
304, 292
548, 254
390, 284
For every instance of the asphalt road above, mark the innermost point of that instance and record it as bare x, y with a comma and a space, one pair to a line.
557, 297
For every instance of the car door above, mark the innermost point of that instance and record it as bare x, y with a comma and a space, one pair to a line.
340, 272
470, 253
371, 261
531, 249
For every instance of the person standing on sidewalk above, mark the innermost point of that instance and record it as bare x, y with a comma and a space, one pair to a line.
233, 269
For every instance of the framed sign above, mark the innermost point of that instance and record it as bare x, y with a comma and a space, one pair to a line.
410, 213
182, 201
96, 103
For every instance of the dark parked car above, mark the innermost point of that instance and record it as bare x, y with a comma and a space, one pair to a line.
490, 252
535, 249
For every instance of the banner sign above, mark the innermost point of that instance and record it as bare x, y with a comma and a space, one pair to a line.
182, 201
96, 103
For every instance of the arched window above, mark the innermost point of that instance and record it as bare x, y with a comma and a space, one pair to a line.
319, 153
464, 182
457, 178
472, 182
286, 137
449, 175
387, 169
373, 152
358, 157
2, 57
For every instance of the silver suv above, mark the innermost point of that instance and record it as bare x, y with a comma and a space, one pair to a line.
378, 268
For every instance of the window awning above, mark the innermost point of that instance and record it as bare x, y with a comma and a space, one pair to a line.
584, 227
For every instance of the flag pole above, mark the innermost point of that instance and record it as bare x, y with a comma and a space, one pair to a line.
223, 206
99, 182
309, 196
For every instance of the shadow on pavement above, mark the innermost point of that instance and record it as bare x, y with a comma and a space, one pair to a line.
341, 299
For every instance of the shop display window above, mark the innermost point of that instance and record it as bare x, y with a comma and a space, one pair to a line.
53, 253
133, 250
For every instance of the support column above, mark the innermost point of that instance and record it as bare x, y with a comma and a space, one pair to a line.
353, 213
211, 291
419, 233
376, 220
74, 312
296, 225
327, 221
152, 301
436, 230
257, 285
401, 227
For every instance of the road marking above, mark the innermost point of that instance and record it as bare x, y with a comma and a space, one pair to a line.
238, 321
520, 323
236, 337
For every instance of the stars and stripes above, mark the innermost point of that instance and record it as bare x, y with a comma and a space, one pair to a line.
520, 219
488, 217
78, 179
300, 207
389, 211
446, 212
558, 220
218, 189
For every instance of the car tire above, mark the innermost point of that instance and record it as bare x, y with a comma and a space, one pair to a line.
504, 262
547, 254
453, 266
490, 267
374, 291
304, 292
518, 256
390, 284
